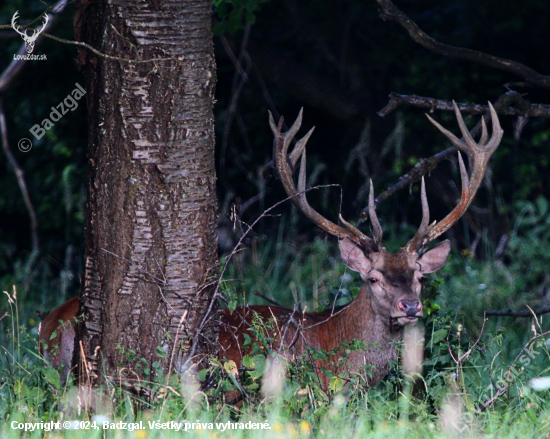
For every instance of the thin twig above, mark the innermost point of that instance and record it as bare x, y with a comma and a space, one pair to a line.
465, 355
511, 313
449, 343
491, 401
20, 175
104, 55
93, 49
265, 92
240, 78
263, 296
216, 295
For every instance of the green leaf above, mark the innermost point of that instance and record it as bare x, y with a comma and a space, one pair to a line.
336, 384
160, 352
248, 362
52, 376
201, 375
438, 336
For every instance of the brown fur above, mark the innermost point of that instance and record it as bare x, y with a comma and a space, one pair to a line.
59, 349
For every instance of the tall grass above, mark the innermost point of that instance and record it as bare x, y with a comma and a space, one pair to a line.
468, 361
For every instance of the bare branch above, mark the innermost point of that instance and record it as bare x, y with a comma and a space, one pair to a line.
426, 165
511, 313
267, 299
240, 78
20, 175
217, 294
391, 12
104, 55
517, 107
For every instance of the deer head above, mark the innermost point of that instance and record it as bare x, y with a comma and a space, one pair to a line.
392, 281
29, 39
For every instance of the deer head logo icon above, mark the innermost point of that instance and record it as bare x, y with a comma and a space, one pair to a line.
28, 39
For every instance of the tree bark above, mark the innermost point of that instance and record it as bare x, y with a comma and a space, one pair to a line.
151, 244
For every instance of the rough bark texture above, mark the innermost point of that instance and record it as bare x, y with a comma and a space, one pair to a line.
151, 244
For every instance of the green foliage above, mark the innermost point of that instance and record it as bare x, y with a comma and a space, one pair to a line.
288, 272
300, 405
29, 387
234, 14
527, 251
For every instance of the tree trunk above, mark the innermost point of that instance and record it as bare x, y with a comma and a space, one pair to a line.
151, 245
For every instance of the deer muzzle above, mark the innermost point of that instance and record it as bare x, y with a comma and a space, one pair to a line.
409, 311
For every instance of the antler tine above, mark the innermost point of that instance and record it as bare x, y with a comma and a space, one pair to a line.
377, 228
454, 140
272, 123
484, 135
289, 135
498, 132
284, 165
415, 243
367, 243
299, 148
463, 175
479, 155
469, 141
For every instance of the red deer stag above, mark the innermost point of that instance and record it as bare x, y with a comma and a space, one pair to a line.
388, 300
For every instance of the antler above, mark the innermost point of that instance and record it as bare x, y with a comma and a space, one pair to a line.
284, 164
478, 157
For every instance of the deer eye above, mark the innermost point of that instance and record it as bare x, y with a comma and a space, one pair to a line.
373, 280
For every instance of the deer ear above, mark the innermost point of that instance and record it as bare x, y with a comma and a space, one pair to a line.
435, 258
353, 257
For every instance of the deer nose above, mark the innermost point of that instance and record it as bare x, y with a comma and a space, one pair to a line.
410, 307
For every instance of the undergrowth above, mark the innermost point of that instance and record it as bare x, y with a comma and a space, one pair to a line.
479, 374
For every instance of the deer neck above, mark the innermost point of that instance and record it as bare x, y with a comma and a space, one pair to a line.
365, 325
376, 334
